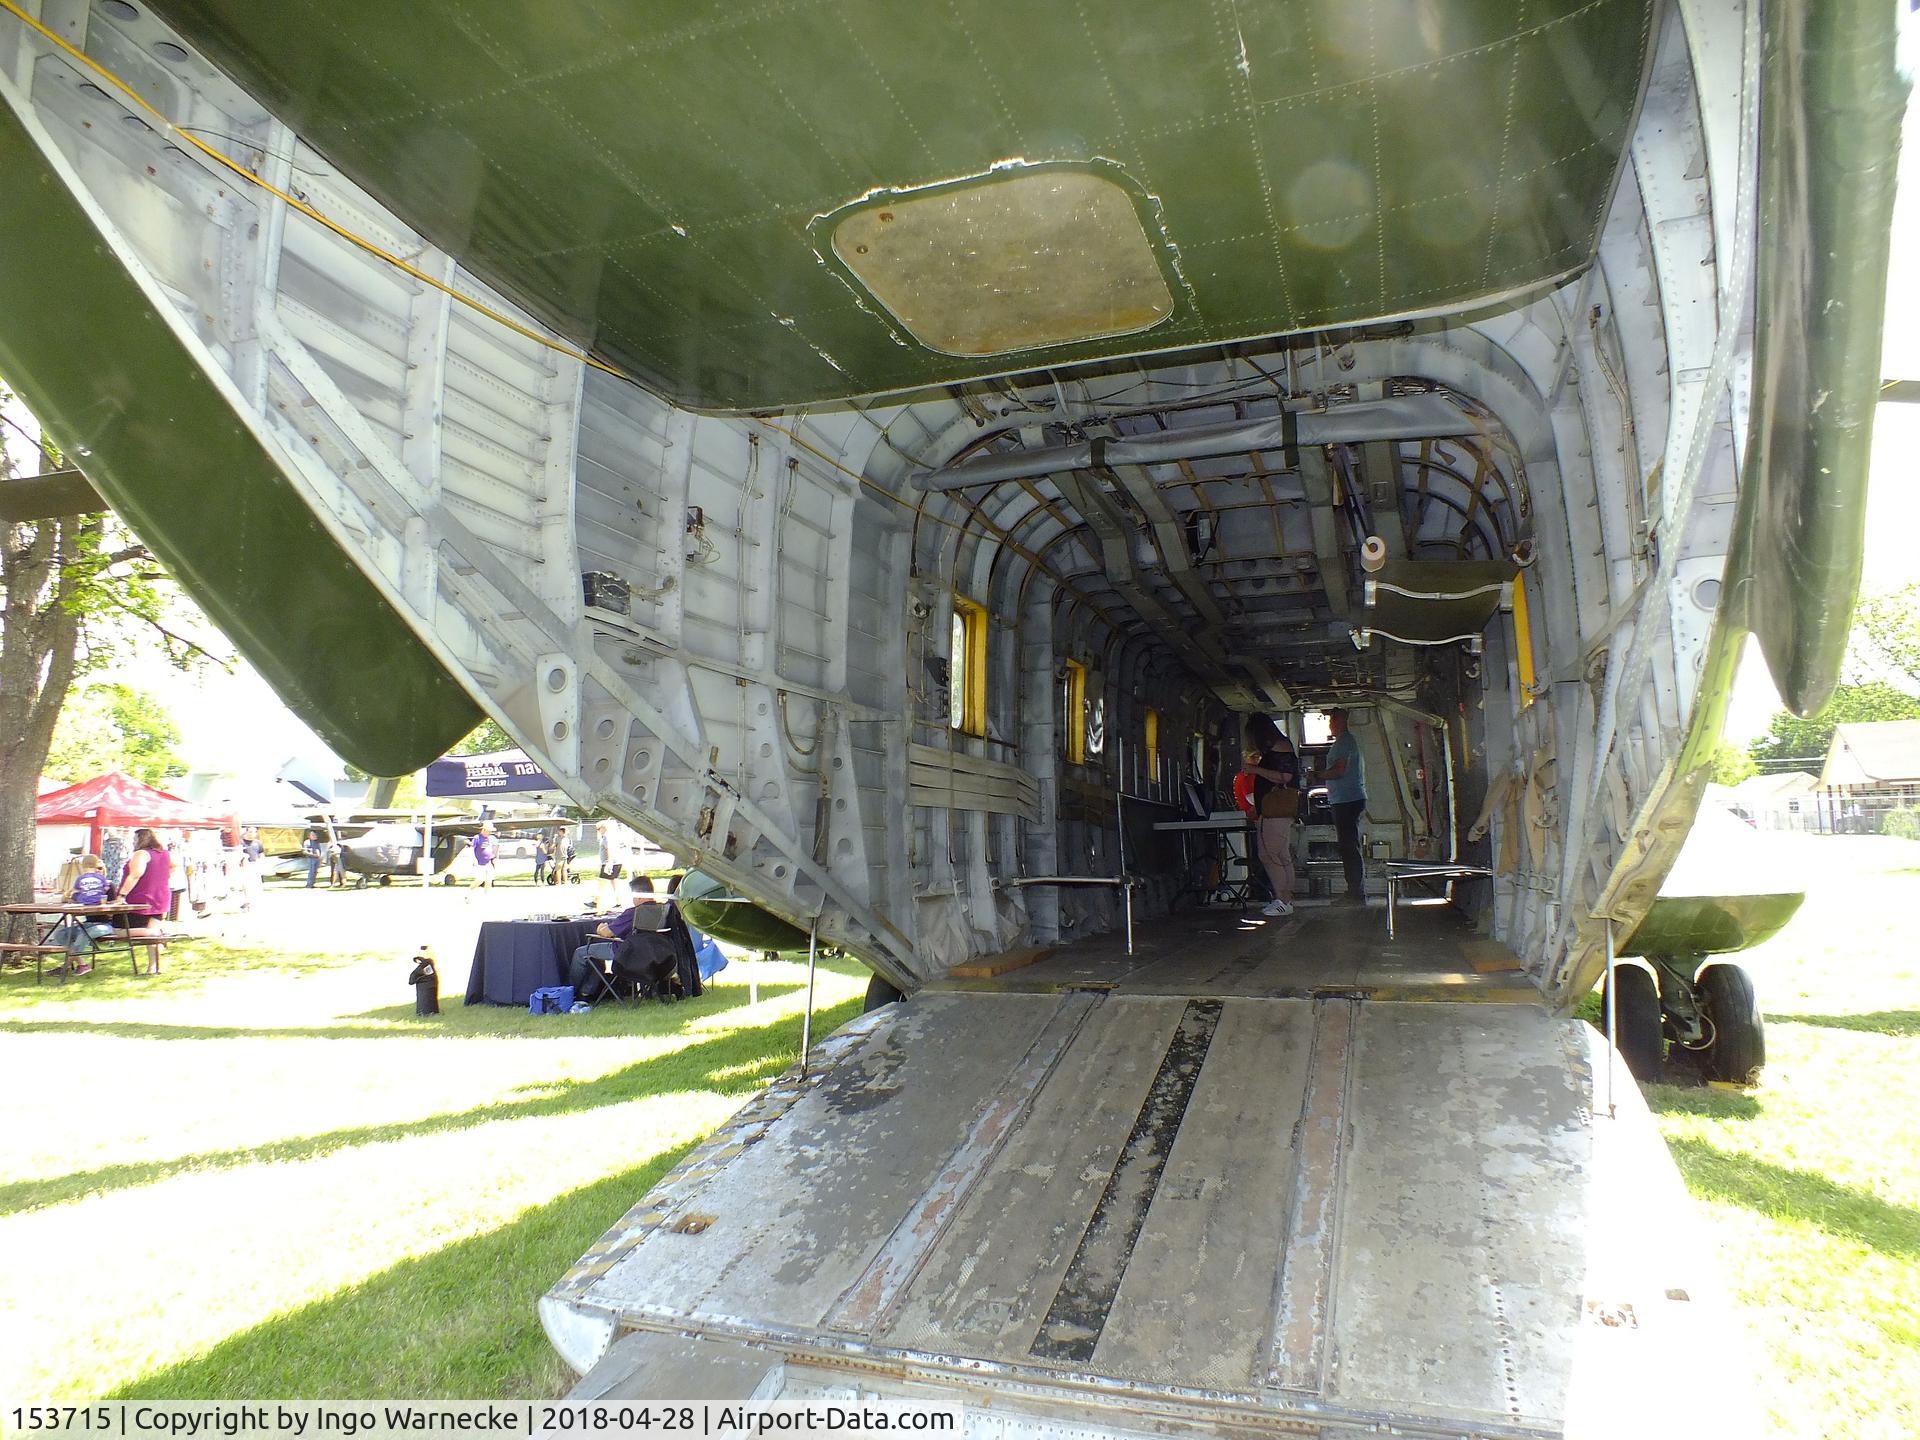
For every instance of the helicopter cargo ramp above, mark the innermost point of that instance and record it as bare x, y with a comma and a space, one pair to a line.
1080, 1210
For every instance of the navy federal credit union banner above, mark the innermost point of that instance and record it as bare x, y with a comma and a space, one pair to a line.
501, 773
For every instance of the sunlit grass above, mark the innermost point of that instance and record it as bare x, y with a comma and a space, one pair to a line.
1810, 1184
256, 1175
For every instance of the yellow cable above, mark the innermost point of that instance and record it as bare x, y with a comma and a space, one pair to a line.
254, 178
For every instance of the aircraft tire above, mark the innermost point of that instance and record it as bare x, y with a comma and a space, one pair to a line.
385, 880
1738, 1052
1637, 1027
880, 992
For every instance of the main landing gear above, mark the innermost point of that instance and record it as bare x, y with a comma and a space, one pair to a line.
1674, 1012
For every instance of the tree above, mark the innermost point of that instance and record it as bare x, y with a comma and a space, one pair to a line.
113, 727
74, 590
484, 740
86, 743
1886, 636
1795, 744
1731, 764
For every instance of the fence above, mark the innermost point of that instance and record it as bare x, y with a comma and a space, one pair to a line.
1839, 811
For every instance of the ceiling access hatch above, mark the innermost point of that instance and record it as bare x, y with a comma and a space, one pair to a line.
1017, 259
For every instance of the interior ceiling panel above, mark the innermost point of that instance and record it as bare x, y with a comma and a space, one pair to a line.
647, 178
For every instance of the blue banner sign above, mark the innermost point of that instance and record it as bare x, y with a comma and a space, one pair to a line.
500, 773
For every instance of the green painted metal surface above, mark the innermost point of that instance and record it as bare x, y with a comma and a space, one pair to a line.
1829, 148
643, 177
1710, 924
713, 908
102, 370
1427, 601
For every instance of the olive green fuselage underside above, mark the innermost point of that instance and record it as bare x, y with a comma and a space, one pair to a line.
650, 179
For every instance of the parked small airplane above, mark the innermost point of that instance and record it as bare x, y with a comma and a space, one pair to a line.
378, 845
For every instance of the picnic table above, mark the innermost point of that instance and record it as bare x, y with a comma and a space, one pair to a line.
49, 915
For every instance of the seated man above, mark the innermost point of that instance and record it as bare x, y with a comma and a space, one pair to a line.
585, 974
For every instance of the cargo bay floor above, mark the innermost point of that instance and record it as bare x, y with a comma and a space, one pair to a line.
1319, 950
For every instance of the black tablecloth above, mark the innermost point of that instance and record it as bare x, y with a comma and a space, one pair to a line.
513, 958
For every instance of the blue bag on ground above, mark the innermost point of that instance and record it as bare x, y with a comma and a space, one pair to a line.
707, 955
550, 1000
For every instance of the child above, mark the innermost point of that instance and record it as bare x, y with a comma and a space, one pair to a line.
79, 933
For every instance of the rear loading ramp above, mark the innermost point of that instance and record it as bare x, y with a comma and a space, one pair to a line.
1116, 1213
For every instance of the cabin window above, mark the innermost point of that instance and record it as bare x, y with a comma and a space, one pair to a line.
1073, 712
1315, 728
1153, 744
968, 689
1096, 725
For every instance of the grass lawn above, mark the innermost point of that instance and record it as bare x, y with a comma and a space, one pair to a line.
328, 1197
1810, 1185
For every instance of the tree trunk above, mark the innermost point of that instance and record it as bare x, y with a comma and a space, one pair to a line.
16, 838
38, 639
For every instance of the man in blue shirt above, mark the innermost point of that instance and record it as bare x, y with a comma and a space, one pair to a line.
1345, 779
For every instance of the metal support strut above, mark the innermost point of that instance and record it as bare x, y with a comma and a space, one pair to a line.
1613, 1010
806, 1018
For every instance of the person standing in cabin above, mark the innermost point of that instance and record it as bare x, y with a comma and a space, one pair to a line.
1276, 800
1345, 778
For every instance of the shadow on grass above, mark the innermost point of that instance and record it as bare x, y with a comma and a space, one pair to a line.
735, 1063
1878, 1022
1797, 1197
398, 1022
191, 964
451, 1325
1699, 1099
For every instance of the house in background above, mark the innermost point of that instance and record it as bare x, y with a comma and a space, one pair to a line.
1773, 802
1872, 771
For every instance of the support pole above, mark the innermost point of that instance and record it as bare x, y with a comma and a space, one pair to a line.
1613, 1010
806, 1020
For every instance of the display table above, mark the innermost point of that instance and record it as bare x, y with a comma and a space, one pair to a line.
513, 958
1208, 876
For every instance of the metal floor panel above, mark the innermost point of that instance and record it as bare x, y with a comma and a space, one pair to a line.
1198, 1297
796, 1218
988, 1284
1464, 1209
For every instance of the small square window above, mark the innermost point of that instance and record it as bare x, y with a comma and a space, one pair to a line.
967, 689
1073, 712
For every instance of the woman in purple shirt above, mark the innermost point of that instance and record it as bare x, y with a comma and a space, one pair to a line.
145, 886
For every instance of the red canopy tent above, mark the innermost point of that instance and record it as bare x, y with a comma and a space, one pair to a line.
116, 799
